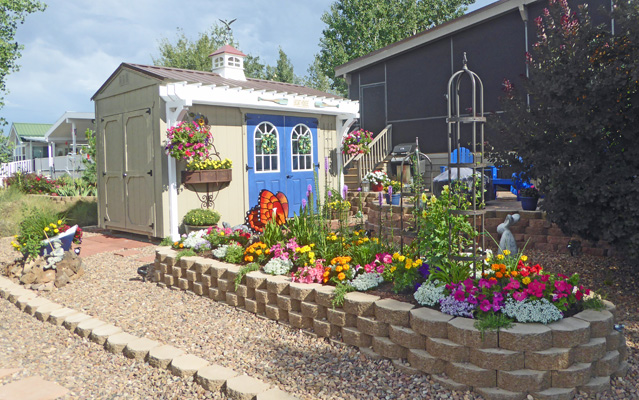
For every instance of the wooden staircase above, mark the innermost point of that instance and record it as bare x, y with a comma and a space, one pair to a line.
357, 166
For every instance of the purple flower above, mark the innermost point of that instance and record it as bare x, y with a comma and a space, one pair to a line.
309, 188
380, 199
450, 306
330, 194
325, 164
304, 204
359, 189
390, 190
344, 192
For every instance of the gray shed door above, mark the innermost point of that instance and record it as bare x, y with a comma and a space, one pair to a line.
128, 172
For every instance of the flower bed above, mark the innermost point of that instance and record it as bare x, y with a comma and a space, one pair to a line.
578, 353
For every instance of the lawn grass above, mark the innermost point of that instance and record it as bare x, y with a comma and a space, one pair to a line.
13, 202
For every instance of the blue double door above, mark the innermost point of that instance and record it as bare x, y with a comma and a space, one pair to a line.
282, 156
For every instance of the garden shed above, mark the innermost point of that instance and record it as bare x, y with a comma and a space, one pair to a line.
404, 84
142, 190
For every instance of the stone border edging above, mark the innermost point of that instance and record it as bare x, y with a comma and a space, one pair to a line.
553, 361
212, 377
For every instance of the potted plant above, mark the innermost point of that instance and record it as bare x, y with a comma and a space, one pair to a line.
208, 171
357, 142
529, 198
198, 219
189, 141
393, 192
377, 180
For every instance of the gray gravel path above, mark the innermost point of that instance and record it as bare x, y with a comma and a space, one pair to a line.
302, 365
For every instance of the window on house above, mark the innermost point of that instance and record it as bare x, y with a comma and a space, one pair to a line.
266, 142
234, 62
302, 148
218, 62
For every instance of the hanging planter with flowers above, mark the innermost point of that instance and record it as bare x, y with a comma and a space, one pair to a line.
189, 141
357, 142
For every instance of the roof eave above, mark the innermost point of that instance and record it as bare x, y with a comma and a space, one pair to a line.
483, 14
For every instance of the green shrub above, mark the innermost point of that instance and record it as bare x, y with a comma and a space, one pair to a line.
234, 254
36, 225
201, 217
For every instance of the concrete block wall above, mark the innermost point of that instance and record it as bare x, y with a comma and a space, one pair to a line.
579, 353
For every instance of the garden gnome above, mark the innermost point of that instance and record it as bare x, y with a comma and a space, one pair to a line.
55, 256
507, 241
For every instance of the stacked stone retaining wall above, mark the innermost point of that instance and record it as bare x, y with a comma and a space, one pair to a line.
533, 229
552, 361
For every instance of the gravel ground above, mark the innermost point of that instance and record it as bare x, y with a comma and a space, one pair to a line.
305, 366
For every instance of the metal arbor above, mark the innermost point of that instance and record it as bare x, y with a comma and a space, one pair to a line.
473, 117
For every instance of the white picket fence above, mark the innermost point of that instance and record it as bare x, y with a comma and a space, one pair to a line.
69, 164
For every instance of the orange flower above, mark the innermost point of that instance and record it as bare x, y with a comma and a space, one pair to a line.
341, 276
514, 273
499, 274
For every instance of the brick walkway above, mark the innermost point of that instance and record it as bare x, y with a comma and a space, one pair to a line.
31, 388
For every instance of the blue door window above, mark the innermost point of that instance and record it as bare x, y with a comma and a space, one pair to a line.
283, 151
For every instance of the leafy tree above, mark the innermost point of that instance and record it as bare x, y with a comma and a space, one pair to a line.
187, 54
12, 13
357, 27
6, 149
577, 131
316, 78
283, 70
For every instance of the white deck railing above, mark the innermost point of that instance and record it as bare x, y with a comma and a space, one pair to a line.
69, 164
380, 148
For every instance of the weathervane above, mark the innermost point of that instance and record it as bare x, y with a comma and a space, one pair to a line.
228, 29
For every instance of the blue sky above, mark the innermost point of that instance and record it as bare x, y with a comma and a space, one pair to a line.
75, 45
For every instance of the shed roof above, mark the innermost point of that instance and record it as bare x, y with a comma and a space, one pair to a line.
166, 74
481, 15
29, 130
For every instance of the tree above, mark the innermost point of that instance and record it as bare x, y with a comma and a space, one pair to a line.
283, 70
358, 27
187, 54
90, 174
316, 78
577, 131
6, 149
12, 13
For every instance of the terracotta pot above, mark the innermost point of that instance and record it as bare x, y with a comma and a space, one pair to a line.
377, 187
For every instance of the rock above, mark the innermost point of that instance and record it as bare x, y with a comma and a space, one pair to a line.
61, 279
28, 278
47, 276
78, 274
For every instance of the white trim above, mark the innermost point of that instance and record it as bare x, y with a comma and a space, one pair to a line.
476, 17
249, 98
67, 117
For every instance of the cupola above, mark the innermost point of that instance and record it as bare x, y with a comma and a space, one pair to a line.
228, 62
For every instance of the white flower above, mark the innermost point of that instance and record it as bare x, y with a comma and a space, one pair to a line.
195, 240
366, 281
220, 252
429, 293
278, 266
532, 310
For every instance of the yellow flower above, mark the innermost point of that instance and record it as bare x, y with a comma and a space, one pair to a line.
339, 268
347, 267
500, 256
524, 258
311, 254
402, 258
393, 268
258, 252
424, 214
56, 230
506, 252
424, 197
52, 225
526, 280
46, 229
341, 276
326, 273
59, 222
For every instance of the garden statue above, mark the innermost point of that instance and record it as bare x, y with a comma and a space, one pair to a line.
507, 241
55, 255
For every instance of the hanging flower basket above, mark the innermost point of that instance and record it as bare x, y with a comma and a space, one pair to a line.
207, 176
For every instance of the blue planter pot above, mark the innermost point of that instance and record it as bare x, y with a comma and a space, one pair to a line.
393, 200
65, 238
529, 203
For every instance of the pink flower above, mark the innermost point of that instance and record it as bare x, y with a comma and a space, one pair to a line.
512, 285
519, 296
459, 295
485, 305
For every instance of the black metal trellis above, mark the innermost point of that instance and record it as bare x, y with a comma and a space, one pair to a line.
473, 116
